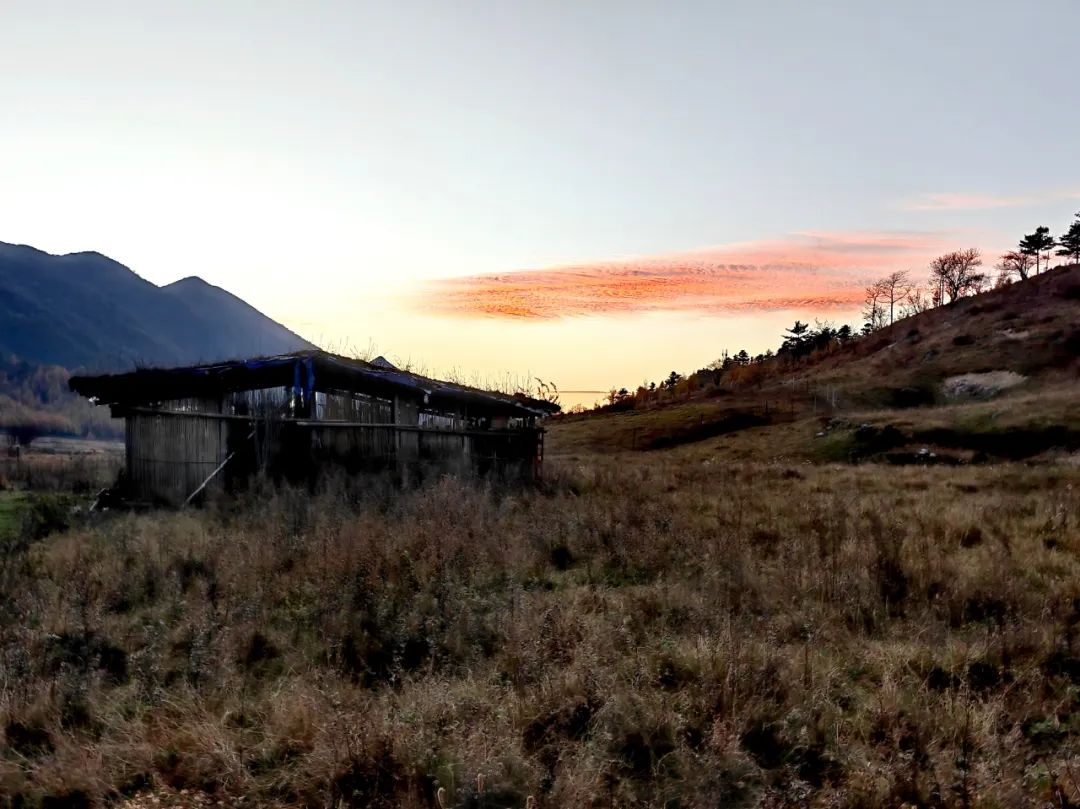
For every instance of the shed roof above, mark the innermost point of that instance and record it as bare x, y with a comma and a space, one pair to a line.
304, 371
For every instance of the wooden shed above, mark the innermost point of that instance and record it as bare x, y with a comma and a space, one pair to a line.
200, 428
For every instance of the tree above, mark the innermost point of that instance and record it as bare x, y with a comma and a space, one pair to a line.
873, 310
1070, 241
24, 434
1015, 263
917, 300
894, 288
798, 330
796, 339
742, 358
824, 336
1035, 243
956, 274
885, 296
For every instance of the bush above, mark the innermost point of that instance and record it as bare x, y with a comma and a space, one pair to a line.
46, 514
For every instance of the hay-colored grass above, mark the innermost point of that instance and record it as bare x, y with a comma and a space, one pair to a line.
640, 631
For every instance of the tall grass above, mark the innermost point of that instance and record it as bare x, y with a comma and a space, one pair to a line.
640, 634
80, 474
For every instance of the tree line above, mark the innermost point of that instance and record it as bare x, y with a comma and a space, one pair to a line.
35, 401
951, 276
959, 273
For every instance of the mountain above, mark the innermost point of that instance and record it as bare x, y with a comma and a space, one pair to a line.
85, 310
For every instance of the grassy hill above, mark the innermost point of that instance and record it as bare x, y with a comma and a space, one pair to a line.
991, 376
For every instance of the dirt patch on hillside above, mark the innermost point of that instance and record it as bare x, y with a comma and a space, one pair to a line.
1011, 334
981, 386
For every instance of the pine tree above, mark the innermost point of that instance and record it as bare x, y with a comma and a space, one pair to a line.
1035, 243
1070, 241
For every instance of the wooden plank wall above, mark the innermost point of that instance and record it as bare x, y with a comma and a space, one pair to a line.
356, 444
512, 453
345, 406
201, 404
407, 414
261, 402
171, 453
169, 456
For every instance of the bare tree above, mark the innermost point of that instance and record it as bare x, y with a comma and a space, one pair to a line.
1015, 263
894, 289
939, 270
956, 274
917, 300
873, 306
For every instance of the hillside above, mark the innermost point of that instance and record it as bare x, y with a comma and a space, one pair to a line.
84, 310
990, 376
35, 400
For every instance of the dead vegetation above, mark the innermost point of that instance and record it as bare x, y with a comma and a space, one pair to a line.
705, 603
46, 468
637, 632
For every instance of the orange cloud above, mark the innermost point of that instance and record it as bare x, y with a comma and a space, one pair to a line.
815, 271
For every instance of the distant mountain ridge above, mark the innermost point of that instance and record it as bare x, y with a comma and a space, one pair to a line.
87, 311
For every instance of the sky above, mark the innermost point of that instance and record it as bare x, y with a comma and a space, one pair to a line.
591, 193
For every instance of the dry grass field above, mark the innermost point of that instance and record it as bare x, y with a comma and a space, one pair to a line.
74, 466
638, 631
855, 583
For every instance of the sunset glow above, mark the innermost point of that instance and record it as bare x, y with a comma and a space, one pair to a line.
590, 193
812, 272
